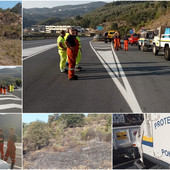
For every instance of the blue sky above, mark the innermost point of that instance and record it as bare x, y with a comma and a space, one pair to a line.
8, 4
31, 117
50, 4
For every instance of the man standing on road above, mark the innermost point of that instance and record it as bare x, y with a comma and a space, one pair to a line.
62, 51
2, 144
118, 41
78, 59
72, 51
11, 147
65, 37
115, 41
125, 42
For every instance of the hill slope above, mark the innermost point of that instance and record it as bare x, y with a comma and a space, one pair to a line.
36, 15
124, 15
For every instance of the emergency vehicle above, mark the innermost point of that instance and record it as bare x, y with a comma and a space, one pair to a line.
4, 165
161, 41
153, 139
109, 36
125, 127
145, 41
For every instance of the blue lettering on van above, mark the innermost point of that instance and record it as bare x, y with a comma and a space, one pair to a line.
162, 122
165, 152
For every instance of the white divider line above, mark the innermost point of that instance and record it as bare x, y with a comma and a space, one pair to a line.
31, 52
127, 92
8, 98
10, 106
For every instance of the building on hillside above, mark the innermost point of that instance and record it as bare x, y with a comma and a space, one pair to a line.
54, 29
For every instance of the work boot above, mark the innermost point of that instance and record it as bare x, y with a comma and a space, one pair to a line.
78, 68
64, 71
73, 78
12, 165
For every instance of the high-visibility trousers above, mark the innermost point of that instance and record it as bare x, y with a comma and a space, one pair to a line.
10, 153
72, 61
63, 55
5, 91
115, 44
2, 150
78, 58
125, 44
1, 90
118, 42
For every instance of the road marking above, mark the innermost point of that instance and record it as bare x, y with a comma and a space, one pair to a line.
15, 166
31, 52
8, 98
125, 90
10, 106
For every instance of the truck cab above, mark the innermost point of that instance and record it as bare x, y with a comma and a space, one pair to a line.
145, 41
161, 41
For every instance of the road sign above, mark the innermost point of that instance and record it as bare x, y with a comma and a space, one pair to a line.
131, 31
99, 27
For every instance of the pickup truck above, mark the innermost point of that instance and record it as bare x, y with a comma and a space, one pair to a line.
133, 39
161, 41
145, 41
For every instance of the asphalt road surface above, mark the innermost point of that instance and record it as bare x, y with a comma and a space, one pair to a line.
18, 163
11, 102
110, 81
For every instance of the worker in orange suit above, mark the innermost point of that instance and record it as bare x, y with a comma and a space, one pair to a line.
72, 51
1, 90
118, 41
4, 90
115, 42
2, 143
11, 147
125, 42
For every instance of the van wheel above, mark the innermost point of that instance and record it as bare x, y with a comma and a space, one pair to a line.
155, 50
167, 53
131, 44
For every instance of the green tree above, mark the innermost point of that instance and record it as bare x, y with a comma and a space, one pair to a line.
73, 120
37, 135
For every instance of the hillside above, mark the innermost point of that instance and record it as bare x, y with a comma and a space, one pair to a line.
10, 36
35, 16
10, 75
126, 15
68, 142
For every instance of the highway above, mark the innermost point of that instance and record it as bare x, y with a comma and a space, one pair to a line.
11, 102
18, 164
110, 81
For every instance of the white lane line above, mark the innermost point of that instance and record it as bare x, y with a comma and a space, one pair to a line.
126, 91
15, 166
10, 106
108, 58
31, 52
8, 98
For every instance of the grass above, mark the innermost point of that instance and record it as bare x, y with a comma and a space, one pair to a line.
10, 51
